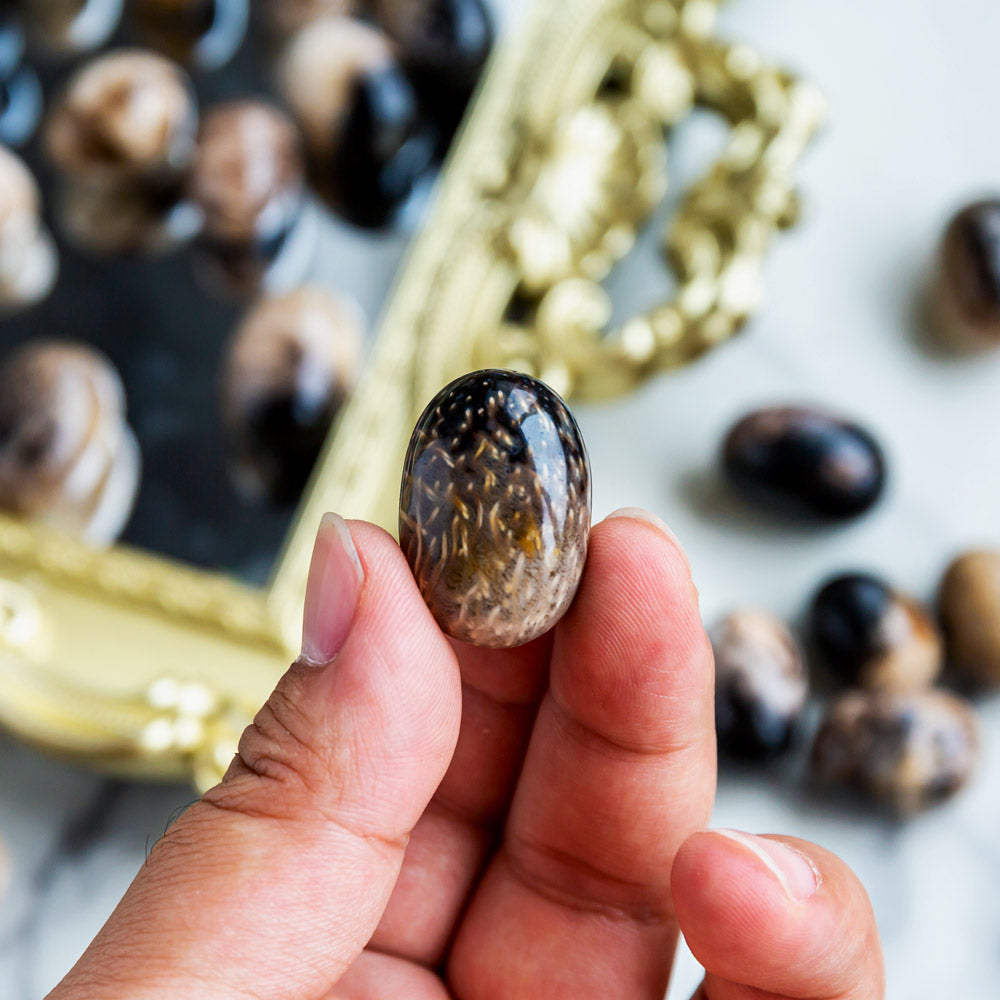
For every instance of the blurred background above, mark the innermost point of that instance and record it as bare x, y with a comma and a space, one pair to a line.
911, 139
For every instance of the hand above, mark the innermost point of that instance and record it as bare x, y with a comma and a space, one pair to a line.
412, 818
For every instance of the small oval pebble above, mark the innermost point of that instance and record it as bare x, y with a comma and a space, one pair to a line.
760, 685
968, 277
67, 456
805, 463
906, 751
970, 613
286, 373
248, 180
870, 635
125, 117
495, 508
368, 141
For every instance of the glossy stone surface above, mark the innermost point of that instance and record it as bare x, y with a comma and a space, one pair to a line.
286, 372
804, 463
67, 457
248, 180
970, 614
495, 508
367, 139
760, 685
204, 34
124, 117
870, 635
968, 280
444, 45
905, 751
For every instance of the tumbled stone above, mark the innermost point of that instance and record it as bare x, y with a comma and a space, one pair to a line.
367, 138
760, 685
286, 372
970, 613
870, 635
804, 463
495, 508
127, 116
906, 751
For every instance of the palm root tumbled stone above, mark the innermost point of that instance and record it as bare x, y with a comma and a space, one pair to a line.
495, 508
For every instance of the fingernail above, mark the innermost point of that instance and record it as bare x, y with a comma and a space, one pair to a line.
640, 514
335, 581
798, 876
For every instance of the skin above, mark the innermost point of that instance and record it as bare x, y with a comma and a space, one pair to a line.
421, 819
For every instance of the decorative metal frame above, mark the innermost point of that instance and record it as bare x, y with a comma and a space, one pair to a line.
149, 668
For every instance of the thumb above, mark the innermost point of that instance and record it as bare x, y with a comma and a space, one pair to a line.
775, 917
272, 884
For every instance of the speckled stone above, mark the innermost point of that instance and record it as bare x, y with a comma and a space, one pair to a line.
906, 751
495, 508
760, 685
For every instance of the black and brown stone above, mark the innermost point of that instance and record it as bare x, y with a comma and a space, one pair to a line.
495, 508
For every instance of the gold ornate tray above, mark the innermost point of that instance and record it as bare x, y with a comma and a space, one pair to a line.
150, 668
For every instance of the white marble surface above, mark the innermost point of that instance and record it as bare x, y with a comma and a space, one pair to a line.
912, 87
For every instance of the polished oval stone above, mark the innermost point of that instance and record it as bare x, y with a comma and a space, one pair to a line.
760, 685
905, 751
367, 137
968, 292
870, 635
495, 508
286, 372
125, 117
970, 613
804, 463
248, 181
67, 456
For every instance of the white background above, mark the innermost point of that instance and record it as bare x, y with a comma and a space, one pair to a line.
914, 132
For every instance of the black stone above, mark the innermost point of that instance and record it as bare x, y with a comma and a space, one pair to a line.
382, 147
444, 45
804, 463
844, 622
